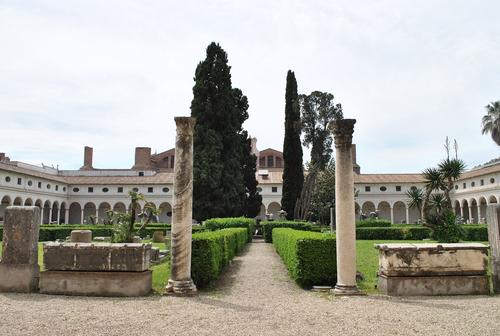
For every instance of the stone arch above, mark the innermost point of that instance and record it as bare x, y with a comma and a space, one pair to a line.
357, 211
399, 210
367, 208
492, 199
89, 213
138, 210
5, 202
274, 209
62, 213
483, 205
46, 212
119, 207
165, 215
456, 207
465, 210
102, 216
75, 213
474, 215
262, 211
18, 201
384, 210
28, 202
55, 212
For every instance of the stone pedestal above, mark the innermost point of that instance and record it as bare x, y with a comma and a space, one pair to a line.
493, 219
344, 208
180, 282
19, 271
81, 236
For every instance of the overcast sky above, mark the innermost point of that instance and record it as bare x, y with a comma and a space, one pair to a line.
113, 74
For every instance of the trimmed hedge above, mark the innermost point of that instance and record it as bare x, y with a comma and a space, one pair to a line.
476, 232
472, 233
212, 251
310, 257
214, 224
268, 226
373, 223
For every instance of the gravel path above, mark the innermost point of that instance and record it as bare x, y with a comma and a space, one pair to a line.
254, 297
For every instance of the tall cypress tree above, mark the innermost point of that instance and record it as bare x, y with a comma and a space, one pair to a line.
219, 139
293, 173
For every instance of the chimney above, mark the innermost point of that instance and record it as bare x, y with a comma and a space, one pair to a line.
142, 158
355, 167
2, 157
87, 158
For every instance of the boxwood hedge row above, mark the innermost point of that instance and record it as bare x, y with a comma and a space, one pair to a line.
371, 222
215, 224
212, 251
475, 232
268, 226
310, 257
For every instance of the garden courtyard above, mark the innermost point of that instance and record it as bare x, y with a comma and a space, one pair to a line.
254, 295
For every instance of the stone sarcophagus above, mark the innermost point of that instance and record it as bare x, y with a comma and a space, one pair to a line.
96, 269
433, 269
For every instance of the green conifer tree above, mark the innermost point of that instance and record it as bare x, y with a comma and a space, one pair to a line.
293, 173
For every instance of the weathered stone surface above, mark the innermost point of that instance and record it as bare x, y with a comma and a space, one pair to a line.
81, 236
96, 257
344, 209
19, 269
434, 285
96, 283
158, 237
493, 218
432, 259
180, 281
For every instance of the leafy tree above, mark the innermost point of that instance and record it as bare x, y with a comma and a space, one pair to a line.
318, 110
253, 199
415, 198
293, 172
491, 121
323, 196
219, 139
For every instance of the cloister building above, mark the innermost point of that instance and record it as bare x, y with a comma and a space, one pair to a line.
84, 195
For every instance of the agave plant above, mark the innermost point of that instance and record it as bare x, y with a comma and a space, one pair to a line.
415, 198
491, 121
433, 181
438, 202
450, 169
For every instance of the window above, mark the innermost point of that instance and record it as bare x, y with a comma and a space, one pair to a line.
274, 189
473, 184
7, 178
76, 189
90, 189
141, 173
48, 186
492, 180
19, 180
279, 162
259, 189
135, 189
262, 161
481, 182
30, 183
64, 188
383, 188
456, 186
150, 189
105, 189
120, 189
464, 185
165, 190
413, 188
172, 161
39, 185
368, 189
57, 187
398, 188
270, 161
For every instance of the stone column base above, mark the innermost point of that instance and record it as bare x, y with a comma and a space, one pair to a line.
181, 288
19, 278
346, 290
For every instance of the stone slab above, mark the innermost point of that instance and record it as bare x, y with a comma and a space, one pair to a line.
434, 285
19, 278
81, 236
96, 283
96, 257
432, 259
20, 235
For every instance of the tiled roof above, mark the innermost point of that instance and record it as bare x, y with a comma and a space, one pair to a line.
481, 171
16, 169
388, 178
159, 178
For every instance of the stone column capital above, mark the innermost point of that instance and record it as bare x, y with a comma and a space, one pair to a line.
185, 125
342, 130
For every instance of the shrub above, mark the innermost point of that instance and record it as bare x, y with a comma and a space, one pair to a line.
477, 232
212, 251
268, 226
393, 233
214, 224
309, 256
372, 222
446, 228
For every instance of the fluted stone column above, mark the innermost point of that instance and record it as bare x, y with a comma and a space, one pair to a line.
344, 208
180, 281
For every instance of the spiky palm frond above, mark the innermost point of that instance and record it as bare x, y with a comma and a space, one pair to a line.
491, 121
415, 198
438, 202
433, 179
451, 169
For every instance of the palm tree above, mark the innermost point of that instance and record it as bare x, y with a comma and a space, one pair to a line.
450, 169
416, 198
491, 121
433, 181
438, 202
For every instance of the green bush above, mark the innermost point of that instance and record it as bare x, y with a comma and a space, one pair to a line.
372, 222
476, 232
310, 257
268, 226
393, 233
212, 251
214, 224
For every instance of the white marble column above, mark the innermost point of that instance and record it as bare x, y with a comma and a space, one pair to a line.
471, 219
66, 216
392, 214
58, 216
82, 220
345, 208
180, 282
50, 215
407, 214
